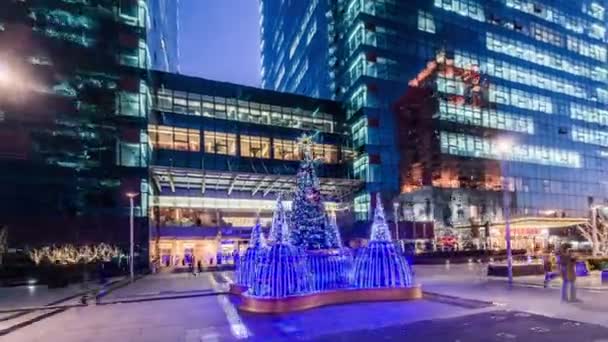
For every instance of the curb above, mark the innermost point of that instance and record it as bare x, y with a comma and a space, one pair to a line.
152, 299
31, 321
112, 287
457, 301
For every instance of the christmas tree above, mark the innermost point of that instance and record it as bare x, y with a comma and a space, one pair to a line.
278, 230
246, 264
311, 229
380, 231
257, 239
379, 264
281, 269
335, 237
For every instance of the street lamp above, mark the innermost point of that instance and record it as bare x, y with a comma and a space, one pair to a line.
396, 219
131, 196
504, 147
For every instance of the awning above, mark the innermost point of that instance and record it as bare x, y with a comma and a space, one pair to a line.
171, 180
536, 222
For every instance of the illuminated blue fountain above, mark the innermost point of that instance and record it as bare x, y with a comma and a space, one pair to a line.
281, 269
246, 265
330, 268
379, 264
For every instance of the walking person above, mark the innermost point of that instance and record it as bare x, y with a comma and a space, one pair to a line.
567, 263
548, 268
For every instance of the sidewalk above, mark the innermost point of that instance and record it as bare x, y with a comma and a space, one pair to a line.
546, 302
168, 286
591, 282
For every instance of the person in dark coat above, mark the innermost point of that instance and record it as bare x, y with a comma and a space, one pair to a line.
567, 262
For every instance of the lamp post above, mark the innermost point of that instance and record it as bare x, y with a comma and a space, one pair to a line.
131, 196
504, 147
396, 219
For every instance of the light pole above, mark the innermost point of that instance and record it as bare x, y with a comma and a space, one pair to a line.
396, 219
131, 196
504, 147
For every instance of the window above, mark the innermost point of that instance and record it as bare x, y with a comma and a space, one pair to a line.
220, 143
256, 147
133, 155
285, 149
426, 22
478, 147
362, 206
173, 138
466, 8
329, 153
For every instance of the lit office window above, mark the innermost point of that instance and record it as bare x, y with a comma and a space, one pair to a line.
362, 206
173, 138
521, 99
533, 54
556, 16
359, 132
515, 73
327, 153
426, 22
466, 8
450, 85
589, 114
473, 146
285, 149
220, 143
485, 117
590, 136
256, 147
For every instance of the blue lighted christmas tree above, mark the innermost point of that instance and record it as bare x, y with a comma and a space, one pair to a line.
311, 230
246, 265
281, 269
379, 264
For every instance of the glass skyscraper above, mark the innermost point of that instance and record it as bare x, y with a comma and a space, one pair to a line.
542, 82
74, 101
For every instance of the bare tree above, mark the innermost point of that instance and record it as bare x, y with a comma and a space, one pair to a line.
586, 230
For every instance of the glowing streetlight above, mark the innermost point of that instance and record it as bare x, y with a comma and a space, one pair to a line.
504, 147
131, 196
6, 74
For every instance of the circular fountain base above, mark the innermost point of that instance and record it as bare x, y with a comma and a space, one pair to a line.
314, 300
237, 289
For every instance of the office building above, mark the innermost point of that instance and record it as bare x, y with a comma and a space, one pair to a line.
74, 99
221, 153
163, 34
543, 64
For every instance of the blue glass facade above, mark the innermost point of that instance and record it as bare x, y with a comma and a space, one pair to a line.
544, 66
74, 99
163, 34
296, 47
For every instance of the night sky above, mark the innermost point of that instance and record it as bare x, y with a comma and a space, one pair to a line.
220, 40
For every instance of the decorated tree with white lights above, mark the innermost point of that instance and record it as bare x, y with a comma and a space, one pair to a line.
311, 228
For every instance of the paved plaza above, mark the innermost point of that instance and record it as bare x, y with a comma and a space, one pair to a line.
463, 305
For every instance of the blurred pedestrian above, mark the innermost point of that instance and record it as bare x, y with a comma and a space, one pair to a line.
548, 268
567, 263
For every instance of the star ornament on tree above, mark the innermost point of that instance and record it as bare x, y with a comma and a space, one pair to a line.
305, 143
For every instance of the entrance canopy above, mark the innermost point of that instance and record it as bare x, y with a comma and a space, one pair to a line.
176, 181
